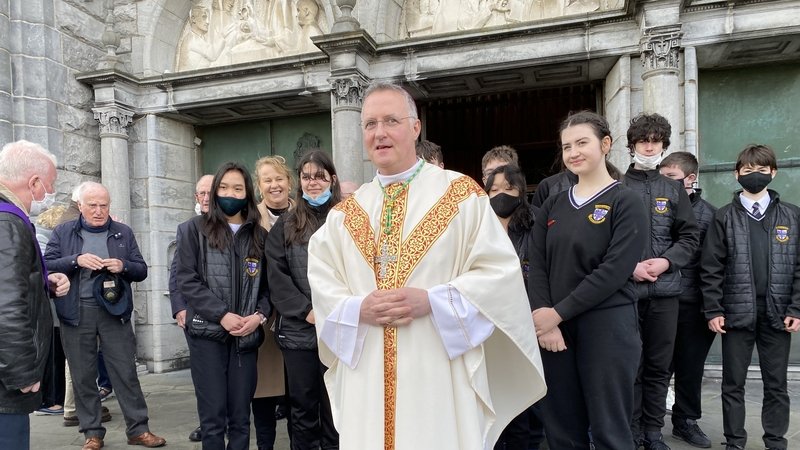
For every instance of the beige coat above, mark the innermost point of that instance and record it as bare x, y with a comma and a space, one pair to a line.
271, 382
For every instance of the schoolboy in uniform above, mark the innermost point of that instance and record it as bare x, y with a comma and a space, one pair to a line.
750, 278
673, 241
693, 339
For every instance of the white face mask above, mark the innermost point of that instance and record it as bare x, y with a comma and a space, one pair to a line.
197, 209
647, 162
40, 206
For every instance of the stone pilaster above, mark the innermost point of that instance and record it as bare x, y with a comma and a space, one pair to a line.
114, 122
349, 52
660, 47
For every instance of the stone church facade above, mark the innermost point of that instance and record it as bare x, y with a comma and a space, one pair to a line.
130, 92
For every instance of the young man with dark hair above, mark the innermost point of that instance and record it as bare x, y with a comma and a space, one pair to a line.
693, 339
673, 241
496, 157
750, 278
430, 152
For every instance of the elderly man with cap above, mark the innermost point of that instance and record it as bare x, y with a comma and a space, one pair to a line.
101, 258
27, 185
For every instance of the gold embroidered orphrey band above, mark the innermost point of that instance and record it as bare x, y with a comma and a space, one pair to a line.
407, 254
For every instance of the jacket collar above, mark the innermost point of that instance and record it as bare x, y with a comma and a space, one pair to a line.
12, 198
774, 199
638, 174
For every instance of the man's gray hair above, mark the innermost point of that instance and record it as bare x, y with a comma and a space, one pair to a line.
383, 86
22, 159
87, 186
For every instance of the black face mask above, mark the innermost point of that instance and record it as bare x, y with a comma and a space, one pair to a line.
231, 205
504, 205
755, 182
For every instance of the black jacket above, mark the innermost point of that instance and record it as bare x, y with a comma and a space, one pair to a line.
727, 277
690, 274
552, 185
62, 253
25, 318
226, 280
672, 228
289, 288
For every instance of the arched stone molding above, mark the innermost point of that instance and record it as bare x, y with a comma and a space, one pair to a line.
161, 23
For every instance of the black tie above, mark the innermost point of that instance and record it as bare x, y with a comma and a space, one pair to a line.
756, 210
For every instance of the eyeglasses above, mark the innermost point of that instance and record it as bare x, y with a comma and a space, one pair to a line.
389, 122
318, 177
202, 194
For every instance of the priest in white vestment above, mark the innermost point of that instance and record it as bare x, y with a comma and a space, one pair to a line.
420, 307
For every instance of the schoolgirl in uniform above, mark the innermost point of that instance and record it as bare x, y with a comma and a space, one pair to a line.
586, 243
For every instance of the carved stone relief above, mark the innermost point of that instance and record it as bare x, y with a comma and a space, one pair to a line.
425, 17
223, 32
661, 48
113, 121
306, 142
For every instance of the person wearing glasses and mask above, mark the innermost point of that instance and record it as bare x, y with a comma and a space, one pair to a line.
287, 249
202, 193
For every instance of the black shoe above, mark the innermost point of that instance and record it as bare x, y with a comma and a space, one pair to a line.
732, 446
196, 435
654, 441
281, 412
688, 430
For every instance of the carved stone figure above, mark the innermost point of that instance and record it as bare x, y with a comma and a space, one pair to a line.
307, 19
195, 49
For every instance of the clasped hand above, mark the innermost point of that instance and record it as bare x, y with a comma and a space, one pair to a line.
395, 307
94, 262
238, 325
650, 269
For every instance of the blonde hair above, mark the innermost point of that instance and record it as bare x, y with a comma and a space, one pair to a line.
278, 163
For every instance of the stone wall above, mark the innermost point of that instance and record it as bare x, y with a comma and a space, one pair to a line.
49, 42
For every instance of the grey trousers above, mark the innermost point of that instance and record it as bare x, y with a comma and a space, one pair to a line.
119, 349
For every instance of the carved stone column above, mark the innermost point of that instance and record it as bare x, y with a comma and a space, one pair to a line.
660, 48
350, 54
114, 122
347, 95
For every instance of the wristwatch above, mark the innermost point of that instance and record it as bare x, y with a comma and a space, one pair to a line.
263, 317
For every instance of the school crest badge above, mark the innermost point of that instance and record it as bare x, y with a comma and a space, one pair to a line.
662, 205
251, 266
599, 214
782, 234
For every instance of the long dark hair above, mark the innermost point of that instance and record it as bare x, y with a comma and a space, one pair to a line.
521, 218
215, 223
302, 222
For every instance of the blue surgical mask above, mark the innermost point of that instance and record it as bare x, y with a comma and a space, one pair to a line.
231, 205
319, 201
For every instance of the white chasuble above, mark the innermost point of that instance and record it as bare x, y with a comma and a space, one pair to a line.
404, 392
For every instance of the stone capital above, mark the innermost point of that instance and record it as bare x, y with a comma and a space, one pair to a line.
660, 48
114, 121
348, 92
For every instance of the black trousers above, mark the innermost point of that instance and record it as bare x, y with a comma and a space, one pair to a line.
525, 432
692, 343
54, 381
590, 384
773, 356
264, 420
658, 323
310, 408
224, 383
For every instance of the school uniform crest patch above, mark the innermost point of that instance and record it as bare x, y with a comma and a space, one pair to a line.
599, 214
251, 266
782, 234
662, 205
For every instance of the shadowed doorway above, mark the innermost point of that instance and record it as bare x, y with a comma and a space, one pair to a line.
467, 127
